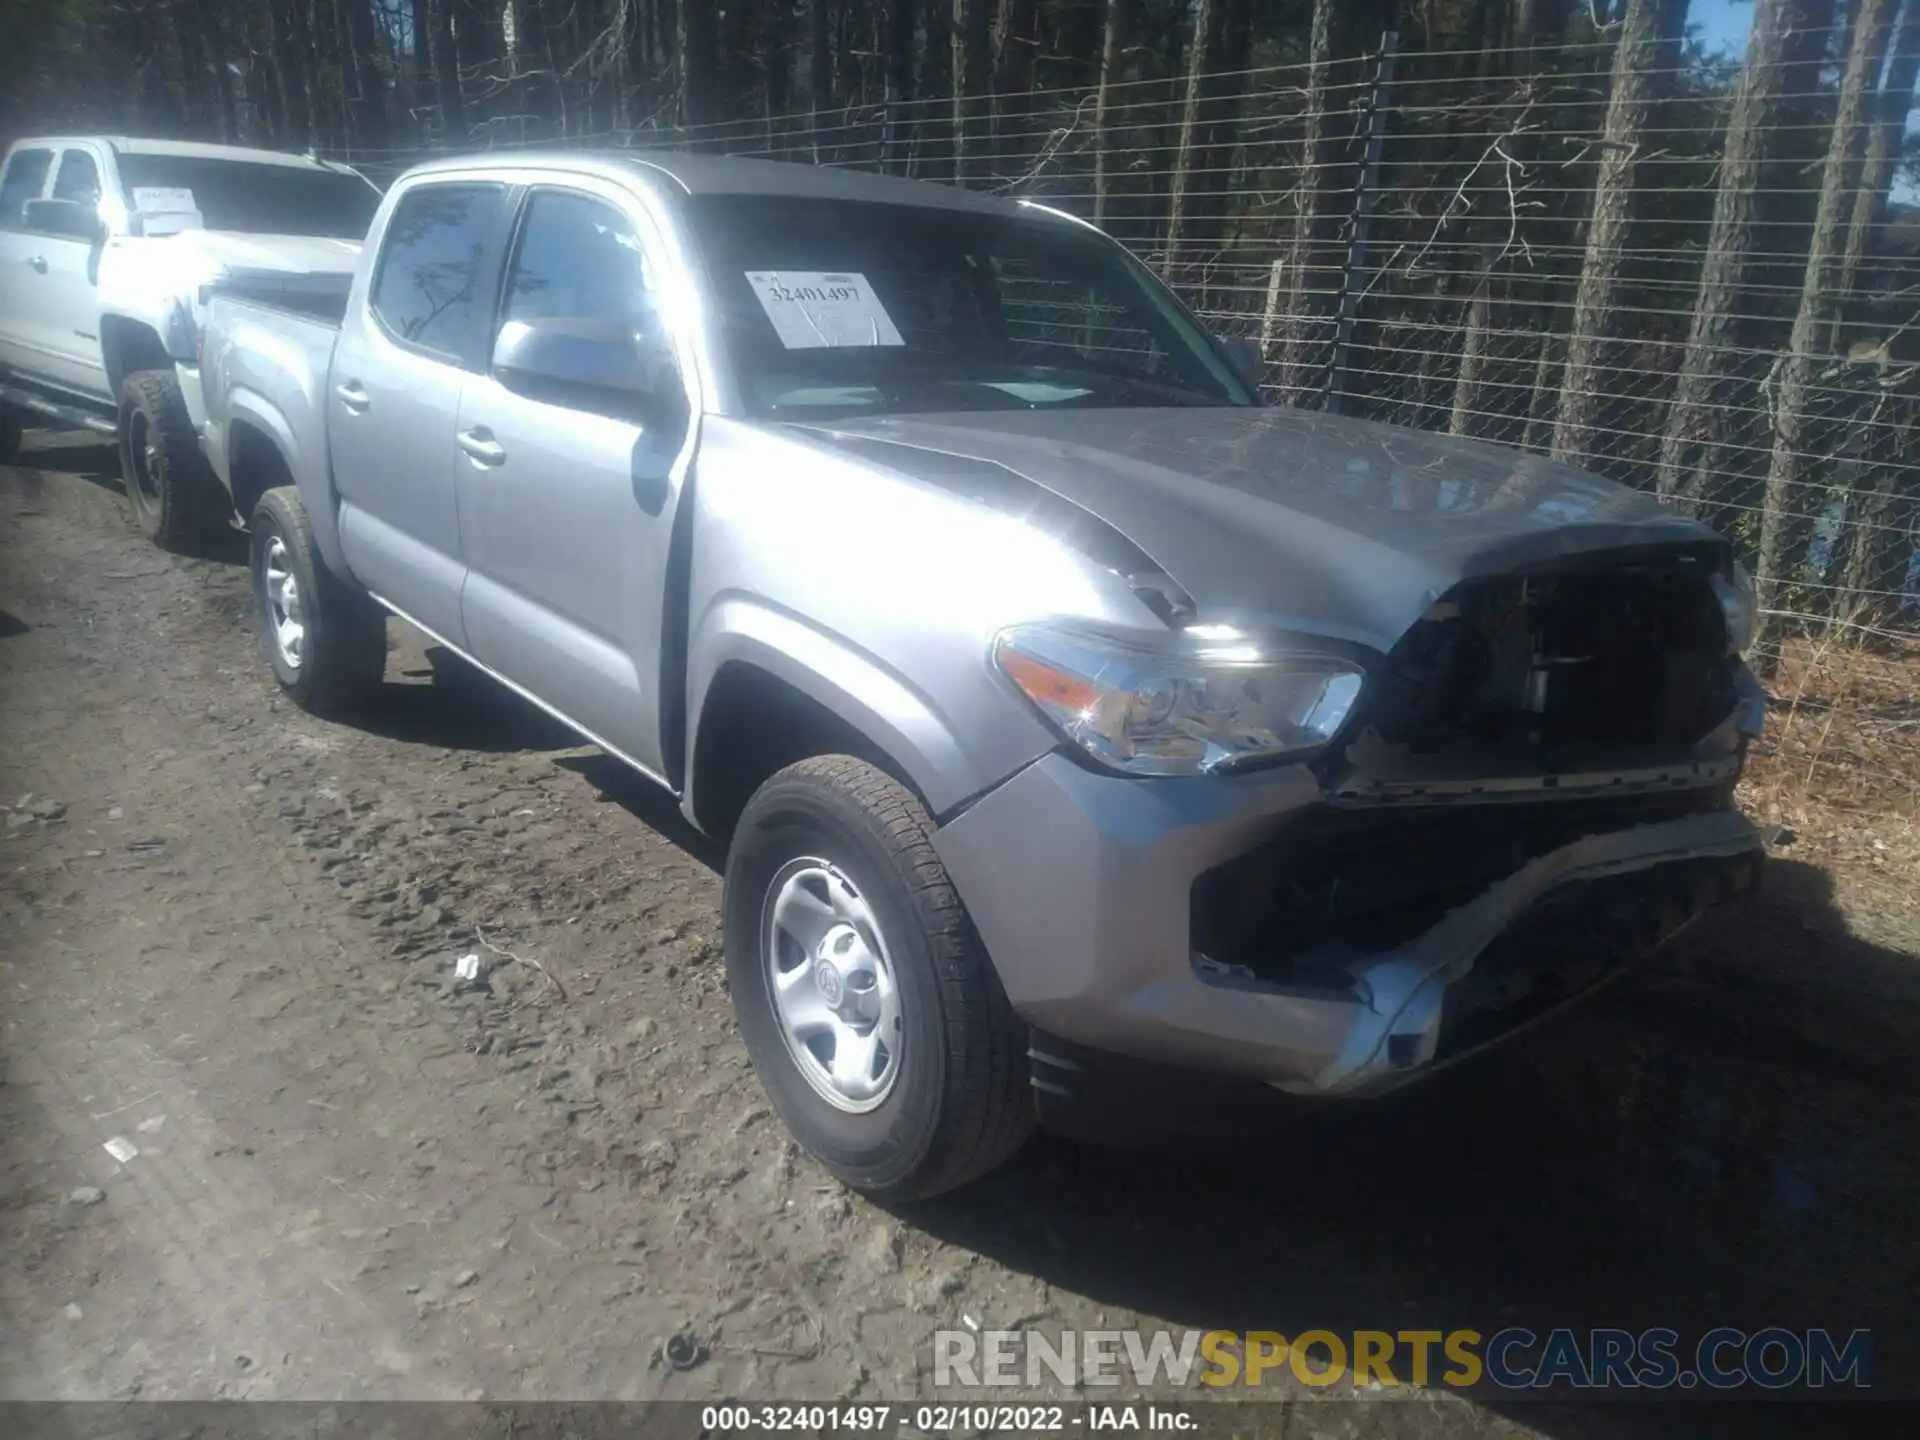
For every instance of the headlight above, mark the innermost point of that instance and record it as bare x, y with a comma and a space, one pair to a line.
1734, 591
1184, 708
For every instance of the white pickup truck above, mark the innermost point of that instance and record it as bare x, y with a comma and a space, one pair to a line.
106, 247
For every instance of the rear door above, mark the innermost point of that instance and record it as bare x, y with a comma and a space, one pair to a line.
394, 394
567, 503
23, 262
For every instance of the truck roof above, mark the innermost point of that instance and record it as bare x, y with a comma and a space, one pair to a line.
728, 175
137, 145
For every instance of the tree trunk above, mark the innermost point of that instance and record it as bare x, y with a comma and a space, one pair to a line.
972, 35
1206, 41
185, 24
1213, 179
779, 37
291, 59
819, 73
1203, 156
1694, 426
220, 50
1305, 326
934, 123
421, 69
897, 142
1636, 81
738, 45
480, 46
446, 75
1507, 173
1884, 144
699, 40
369, 106
1820, 301
1018, 47
1113, 54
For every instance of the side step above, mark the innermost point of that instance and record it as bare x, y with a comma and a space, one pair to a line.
61, 414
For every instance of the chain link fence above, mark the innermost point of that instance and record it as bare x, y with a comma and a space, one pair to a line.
1419, 239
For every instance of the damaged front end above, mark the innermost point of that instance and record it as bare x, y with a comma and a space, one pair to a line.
1538, 792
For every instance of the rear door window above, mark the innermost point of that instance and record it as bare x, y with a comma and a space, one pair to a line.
433, 290
25, 178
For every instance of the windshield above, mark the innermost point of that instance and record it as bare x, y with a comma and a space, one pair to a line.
830, 308
259, 199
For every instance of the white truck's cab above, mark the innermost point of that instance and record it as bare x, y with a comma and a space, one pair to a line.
106, 244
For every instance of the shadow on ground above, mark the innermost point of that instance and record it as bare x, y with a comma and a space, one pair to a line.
1728, 1139
444, 701
649, 804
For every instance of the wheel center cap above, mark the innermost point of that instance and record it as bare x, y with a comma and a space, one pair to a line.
832, 989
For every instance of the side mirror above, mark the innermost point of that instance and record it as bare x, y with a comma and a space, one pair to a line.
1248, 360
71, 218
574, 354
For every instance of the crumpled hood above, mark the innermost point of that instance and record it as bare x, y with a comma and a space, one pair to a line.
1339, 527
151, 278
213, 254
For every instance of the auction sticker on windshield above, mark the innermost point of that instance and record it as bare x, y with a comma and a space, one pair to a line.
814, 310
164, 200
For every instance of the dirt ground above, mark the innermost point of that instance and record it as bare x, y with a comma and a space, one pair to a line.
228, 938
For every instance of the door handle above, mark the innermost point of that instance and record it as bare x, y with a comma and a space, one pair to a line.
353, 397
39, 263
481, 447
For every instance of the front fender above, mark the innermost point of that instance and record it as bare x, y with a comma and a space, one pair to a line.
901, 722
311, 476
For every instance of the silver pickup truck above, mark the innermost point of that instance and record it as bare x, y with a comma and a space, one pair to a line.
1079, 726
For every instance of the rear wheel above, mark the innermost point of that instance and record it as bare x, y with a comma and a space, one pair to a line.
176, 499
327, 642
866, 1000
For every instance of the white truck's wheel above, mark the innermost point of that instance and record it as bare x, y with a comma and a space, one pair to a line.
176, 499
867, 1003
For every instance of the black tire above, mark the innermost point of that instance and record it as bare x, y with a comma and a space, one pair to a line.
342, 656
960, 1103
176, 499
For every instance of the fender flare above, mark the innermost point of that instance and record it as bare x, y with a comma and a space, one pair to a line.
245, 406
898, 720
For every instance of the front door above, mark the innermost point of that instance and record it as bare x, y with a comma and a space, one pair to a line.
72, 285
25, 305
567, 505
394, 396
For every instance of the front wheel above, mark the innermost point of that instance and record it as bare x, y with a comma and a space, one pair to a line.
867, 1003
327, 642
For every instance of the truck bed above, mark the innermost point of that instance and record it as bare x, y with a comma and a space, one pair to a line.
268, 353
314, 297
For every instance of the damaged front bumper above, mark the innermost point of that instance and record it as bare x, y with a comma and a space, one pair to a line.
1082, 884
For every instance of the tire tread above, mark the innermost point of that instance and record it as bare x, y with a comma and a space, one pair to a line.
190, 505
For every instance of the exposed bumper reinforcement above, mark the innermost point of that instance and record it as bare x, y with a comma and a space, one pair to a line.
1080, 884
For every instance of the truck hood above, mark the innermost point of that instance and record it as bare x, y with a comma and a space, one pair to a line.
1334, 526
156, 280
217, 254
